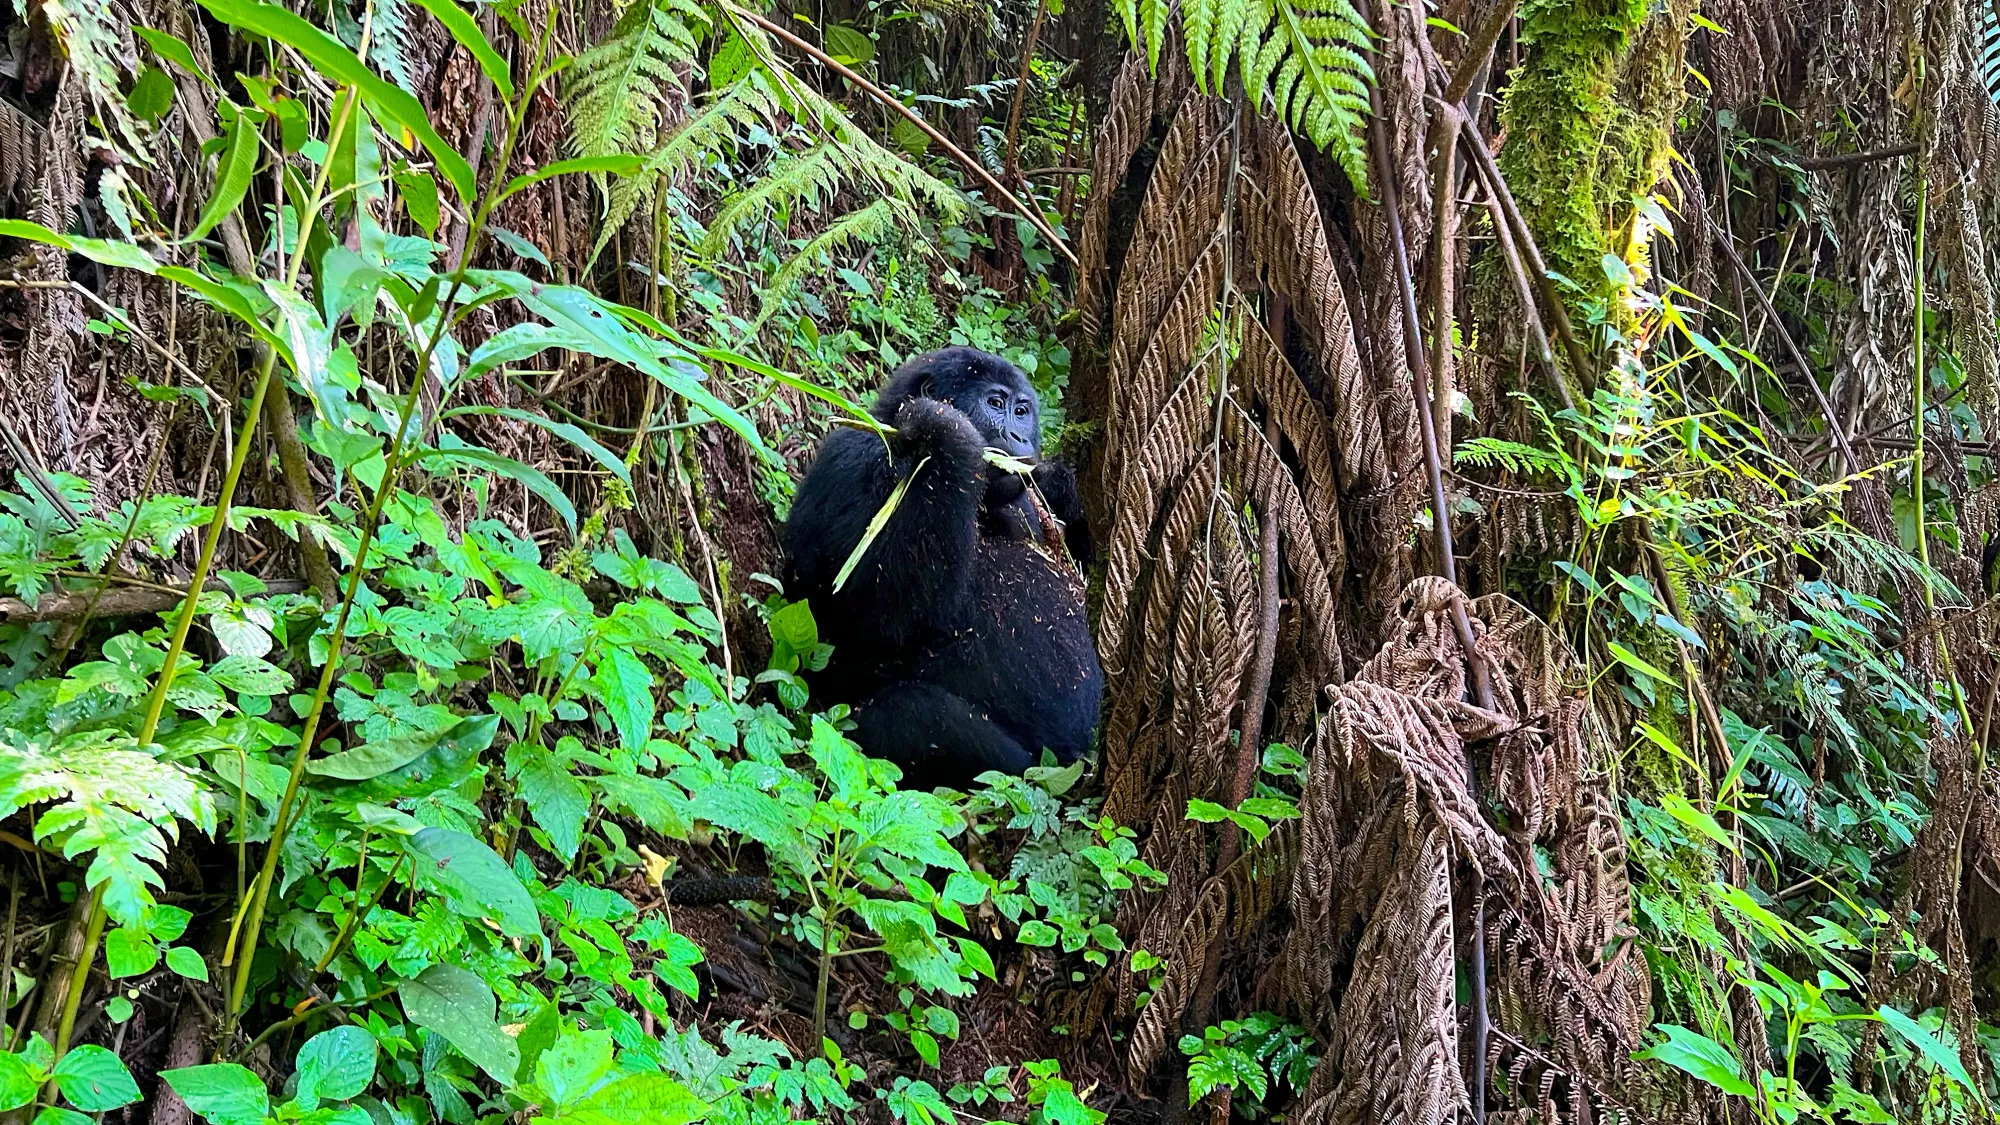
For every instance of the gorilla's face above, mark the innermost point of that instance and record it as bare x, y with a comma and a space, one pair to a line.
987, 389
1006, 415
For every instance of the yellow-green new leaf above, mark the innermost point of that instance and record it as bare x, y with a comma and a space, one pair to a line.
875, 526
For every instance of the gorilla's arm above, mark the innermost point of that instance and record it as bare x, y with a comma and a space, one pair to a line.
917, 573
1057, 484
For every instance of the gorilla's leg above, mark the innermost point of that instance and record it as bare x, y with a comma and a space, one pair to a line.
936, 737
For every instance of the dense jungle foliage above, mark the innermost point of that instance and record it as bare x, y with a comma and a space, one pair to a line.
1540, 453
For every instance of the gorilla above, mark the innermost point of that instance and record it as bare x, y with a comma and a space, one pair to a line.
959, 641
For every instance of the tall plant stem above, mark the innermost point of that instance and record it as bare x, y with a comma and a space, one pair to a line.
177, 643
1475, 661
1013, 158
93, 931
241, 951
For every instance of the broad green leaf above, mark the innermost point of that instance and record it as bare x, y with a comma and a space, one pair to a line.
567, 1070
129, 951
250, 675
57, 1115
537, 1036
340, 66
93, 1079
641, 1099
518, 245
848, 45
335, 1065
174, 51
110, 252
309, 348
456, 1004
1206, 812
224, 1093
420, 199
600, 328
187, 962
18, 1085
152, 95
476, 881
1700, 1056
1638, 663
1943, 1057
794, 627
626, 685
232, 178
473, 40
756, 815
371, 759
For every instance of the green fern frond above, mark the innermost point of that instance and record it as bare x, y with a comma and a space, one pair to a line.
1302, 60
106, 799
861, 156
89, 31
389, 42
695, 141
618, 90
1489, 452
809, 178
869, 224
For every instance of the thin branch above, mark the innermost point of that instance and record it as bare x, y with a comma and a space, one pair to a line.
1478, 51
1475, 661
1728, 249
1850, 159
125, 601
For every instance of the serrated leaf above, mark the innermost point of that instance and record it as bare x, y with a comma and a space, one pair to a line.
625, 685
557, 800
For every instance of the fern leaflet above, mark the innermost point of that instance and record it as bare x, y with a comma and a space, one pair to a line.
1490, 452
619, 89
1300, 59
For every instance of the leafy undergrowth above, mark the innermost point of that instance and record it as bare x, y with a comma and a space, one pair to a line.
502, 887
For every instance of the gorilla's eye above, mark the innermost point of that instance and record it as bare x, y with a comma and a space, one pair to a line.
996, 402
1020, 410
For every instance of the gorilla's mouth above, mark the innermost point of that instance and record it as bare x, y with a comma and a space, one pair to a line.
1005, 459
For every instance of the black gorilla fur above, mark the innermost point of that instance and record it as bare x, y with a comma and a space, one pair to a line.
961, 647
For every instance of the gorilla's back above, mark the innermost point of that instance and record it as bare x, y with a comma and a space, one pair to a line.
1024, 652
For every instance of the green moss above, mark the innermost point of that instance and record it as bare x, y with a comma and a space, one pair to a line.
1586, 124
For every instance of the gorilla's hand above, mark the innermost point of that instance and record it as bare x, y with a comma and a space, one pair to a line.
1003, 486
926, 427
